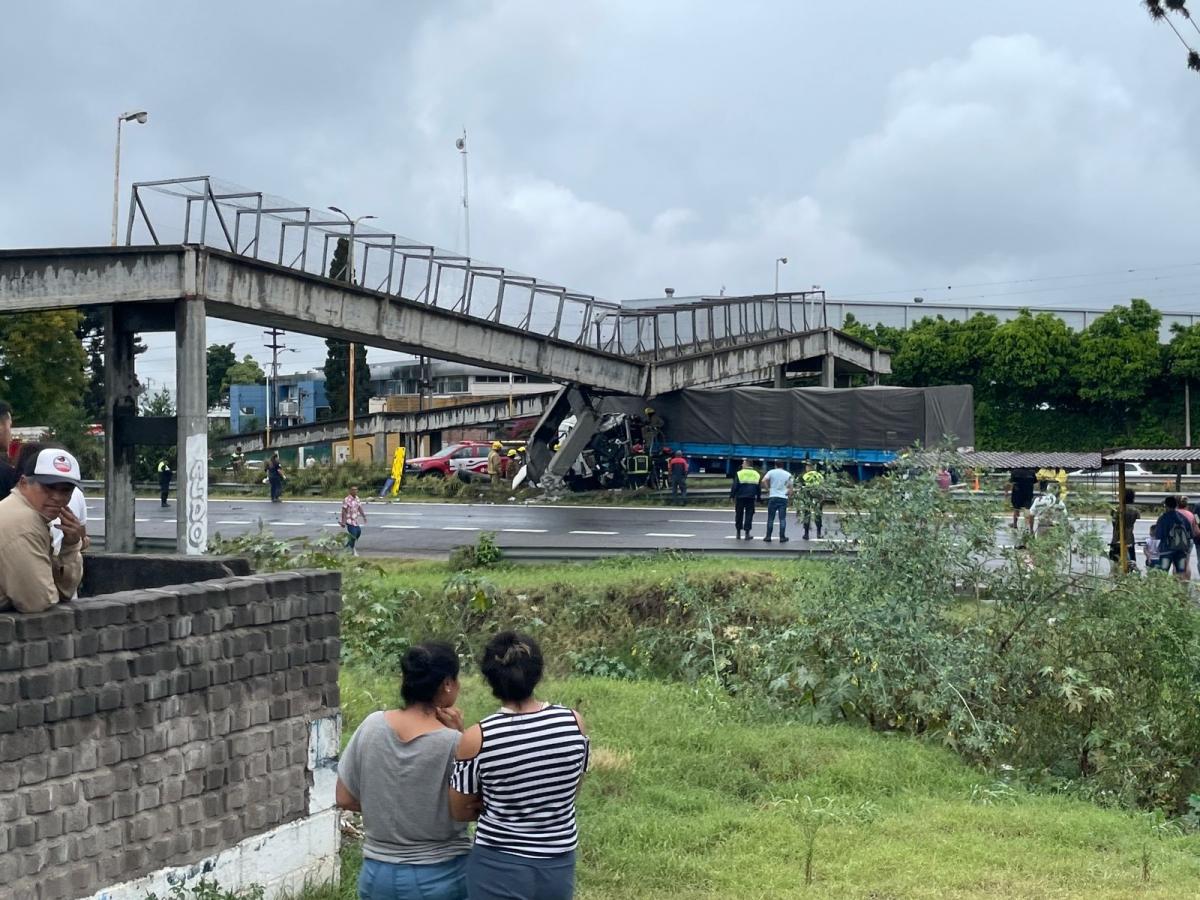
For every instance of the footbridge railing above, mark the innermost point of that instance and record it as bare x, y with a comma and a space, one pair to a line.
208, 211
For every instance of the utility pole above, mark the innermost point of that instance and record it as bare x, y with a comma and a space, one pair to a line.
274, 346
353, 223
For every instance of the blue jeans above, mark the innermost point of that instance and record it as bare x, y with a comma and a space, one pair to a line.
397, 881
353, 532
777, 506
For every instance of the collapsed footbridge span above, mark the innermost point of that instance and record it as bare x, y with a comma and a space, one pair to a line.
197, 248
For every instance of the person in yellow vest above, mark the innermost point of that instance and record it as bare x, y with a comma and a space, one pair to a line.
493, 465
810, 499
746, 492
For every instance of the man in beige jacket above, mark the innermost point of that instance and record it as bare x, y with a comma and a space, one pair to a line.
32, 577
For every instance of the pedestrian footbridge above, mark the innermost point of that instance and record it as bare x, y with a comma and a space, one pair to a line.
197, 247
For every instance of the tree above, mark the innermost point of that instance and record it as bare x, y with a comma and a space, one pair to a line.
160, 403
90, 334
248, 371
337, 355
1029, 359
337, 363
1183, 353
941, 351
1119, 355
218, 360
1160, 11
41, 364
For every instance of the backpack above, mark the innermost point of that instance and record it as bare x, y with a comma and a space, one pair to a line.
1179, 535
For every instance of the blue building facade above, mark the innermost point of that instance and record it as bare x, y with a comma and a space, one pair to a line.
295, 400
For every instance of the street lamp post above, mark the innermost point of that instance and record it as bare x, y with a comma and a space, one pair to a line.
350, 278
461, 145
140, 116
780, 261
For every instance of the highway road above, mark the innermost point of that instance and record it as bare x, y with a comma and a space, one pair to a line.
433, 528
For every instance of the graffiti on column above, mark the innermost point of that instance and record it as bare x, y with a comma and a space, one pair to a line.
197, 493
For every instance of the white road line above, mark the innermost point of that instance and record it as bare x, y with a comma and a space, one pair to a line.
459, 528
336, 525
594, 532
377, 513
169, 521
667, 534
524, 530
141, 520
700, 521
399, 526
234, 522
292, 524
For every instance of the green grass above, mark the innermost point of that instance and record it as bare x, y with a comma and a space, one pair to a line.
694, 795
428, 577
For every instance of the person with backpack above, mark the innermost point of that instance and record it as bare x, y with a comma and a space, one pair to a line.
1174, 536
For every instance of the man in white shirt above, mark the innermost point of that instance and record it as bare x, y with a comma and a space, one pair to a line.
778, 482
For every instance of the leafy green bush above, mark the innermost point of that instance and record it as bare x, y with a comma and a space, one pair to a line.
336, 479
480, 555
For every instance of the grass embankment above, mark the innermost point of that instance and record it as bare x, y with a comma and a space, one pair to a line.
691, 795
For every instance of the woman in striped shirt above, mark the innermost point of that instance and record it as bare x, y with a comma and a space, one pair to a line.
517, 773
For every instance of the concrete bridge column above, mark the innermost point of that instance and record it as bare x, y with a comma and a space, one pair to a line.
120, 385
379, 448
827, 371
191, 400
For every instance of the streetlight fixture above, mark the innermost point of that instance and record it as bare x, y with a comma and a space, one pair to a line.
350, 278
140, 116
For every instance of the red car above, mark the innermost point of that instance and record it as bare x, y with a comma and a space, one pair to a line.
469, 455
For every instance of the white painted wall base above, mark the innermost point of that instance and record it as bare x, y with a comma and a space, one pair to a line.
282, 860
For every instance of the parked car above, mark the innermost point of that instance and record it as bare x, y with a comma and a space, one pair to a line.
1108, 474
468, 455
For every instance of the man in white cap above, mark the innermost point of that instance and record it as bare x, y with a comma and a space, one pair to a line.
32, 577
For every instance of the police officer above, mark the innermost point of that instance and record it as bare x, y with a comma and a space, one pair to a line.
164, 481
810, 497
745, 491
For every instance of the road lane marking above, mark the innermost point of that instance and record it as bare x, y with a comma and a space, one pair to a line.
700, 521
594, 532
399, 526
290, 524
336, 525
459, 528
667, 534
235, 522
524, 530
141, 520
379, 513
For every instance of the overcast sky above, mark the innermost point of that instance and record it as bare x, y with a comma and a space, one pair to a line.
887, 149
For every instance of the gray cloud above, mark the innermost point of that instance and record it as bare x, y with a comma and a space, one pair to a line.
622, 147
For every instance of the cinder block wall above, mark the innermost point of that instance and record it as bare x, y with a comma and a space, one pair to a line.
155, 728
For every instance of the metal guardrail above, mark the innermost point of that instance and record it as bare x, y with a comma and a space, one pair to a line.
224, 216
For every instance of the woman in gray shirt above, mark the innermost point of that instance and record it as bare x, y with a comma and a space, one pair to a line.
395, 770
